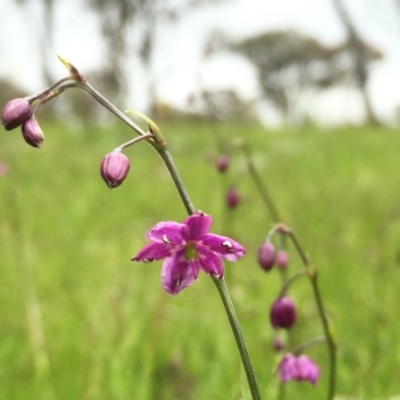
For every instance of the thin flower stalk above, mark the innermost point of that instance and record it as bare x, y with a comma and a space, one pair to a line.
171, 166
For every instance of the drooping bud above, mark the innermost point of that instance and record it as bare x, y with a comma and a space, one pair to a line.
32, 132
15, 113
283, 313
267, 256
233, 198
114, 168
223, 163
282, 259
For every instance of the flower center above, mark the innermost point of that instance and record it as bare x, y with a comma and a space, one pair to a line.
191, 252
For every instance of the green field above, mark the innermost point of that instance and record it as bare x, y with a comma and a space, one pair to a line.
79, 320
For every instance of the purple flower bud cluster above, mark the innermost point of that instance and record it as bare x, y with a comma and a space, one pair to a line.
268, 257
18, 112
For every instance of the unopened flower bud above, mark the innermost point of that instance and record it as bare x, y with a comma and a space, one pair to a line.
278, 343
114, 168
233, 198
267, 256
282, 259
15, 113
32, 132
283, 313
223, 163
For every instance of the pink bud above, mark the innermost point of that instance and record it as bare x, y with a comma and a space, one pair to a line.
114, 168
266, 256
15, 113
282, 259
233, 198
32, 132
223, 163
278, 343
283, 313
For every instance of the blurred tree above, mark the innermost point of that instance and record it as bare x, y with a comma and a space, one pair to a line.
289, 64
117, 17
360, 60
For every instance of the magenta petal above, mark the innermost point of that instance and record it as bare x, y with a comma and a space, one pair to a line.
298, 368
177, 274
307, 369
199, 224
153, 251
224, 246
210, 262
166, 232
288, 368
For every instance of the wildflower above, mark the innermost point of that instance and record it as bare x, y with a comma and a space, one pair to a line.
283, 313
282, 259
233, 198
301, 368
32, 132
267, 256
114, 168
15, 113
187, 248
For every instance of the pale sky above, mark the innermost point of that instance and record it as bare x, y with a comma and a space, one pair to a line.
178, 52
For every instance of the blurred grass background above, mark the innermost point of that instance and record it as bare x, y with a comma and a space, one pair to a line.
79, 320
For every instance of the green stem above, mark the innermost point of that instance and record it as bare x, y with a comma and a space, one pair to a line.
237, 331
312, 275
171, 166
180, 186
261, 187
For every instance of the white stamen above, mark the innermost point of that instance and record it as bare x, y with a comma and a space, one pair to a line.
166, 239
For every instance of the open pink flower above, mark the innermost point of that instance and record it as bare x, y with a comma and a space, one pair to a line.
300, 368
187, 248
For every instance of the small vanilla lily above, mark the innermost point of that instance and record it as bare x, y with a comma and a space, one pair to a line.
187, 248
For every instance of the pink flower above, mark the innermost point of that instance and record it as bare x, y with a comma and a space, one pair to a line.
300, 368
187, 248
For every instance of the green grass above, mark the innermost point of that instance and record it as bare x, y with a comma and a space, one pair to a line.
78, 320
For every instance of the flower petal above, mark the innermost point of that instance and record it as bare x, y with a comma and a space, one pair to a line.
224, 246
154, 251
307, 369
166, 232
210, 262
288, 368
199, 224
177, 273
